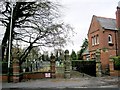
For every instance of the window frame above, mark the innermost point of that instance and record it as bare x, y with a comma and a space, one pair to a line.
110, 38
97, 39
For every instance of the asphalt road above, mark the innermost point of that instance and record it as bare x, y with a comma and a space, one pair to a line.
82, 82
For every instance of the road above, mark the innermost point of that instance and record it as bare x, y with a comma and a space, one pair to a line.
82, 82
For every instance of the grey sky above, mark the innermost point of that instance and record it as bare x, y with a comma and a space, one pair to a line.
78, 13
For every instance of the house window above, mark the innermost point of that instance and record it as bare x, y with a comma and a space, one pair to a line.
97, 39
109, 38
92, 41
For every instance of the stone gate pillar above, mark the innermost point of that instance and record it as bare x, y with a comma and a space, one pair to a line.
16, 69
98, 64
52, 66
67, 65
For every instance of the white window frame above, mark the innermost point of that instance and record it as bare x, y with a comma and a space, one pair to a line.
92, 41
97, 39
109, 38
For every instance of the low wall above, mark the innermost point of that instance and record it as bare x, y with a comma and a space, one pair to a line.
28, 75
113, 72
4, 78
36, 75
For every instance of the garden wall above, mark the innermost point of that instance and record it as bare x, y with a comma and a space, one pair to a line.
113, 71
36, 75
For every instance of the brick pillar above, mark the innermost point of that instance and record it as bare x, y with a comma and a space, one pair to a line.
60, 68
52, 66
16, 70
67, 65
98, 64
111, 65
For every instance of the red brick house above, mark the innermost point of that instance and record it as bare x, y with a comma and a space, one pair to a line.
103, 35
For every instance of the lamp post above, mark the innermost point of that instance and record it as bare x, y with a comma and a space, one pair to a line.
9, 51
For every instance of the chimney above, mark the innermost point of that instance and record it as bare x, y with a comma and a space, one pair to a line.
118, 27
118, 15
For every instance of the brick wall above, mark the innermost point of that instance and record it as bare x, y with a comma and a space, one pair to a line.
107, 50
4, 78
36, 75
113, 72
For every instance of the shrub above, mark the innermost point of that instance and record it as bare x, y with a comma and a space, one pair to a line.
116, 62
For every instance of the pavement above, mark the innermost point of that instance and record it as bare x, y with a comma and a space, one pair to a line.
81, 82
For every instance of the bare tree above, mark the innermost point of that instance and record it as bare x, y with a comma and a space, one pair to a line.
35, 24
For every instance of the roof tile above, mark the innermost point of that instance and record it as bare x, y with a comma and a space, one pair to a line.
107, 23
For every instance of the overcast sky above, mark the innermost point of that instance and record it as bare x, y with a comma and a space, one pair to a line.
78, 13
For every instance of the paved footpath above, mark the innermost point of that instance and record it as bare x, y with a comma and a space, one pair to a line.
82, 82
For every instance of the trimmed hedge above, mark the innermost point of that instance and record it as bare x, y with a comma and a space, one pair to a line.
84, 66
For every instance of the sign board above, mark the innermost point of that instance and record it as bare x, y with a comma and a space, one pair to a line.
47, 74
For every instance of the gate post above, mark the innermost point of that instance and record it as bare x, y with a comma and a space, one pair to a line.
16, 69
52, 66
67, 65
98, 64
111, 64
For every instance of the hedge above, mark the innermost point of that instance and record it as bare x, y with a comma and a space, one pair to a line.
116, 62
84, 66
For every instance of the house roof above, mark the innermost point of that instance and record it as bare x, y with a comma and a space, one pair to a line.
107, 23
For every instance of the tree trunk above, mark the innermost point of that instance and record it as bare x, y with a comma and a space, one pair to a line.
24, 55
4, 41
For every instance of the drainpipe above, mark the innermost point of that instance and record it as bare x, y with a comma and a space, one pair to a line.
118, 27
116, 43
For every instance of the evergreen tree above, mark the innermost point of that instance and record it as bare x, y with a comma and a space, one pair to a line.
83, 48
73, 55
